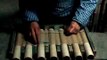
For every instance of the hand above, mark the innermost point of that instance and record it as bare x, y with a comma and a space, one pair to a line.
35, 32
74, 27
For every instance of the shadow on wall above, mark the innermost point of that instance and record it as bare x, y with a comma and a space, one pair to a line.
8, 13
8, 23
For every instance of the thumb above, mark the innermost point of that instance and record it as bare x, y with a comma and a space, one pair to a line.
71, 29
34, 36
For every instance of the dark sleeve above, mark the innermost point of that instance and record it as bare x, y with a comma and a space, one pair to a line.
28, 10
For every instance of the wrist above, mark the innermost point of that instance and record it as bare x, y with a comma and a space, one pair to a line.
33, 21
80, 25
28, 23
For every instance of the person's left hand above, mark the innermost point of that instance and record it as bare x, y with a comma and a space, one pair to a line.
74, 27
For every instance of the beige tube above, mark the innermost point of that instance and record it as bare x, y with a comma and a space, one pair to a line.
79, 39
81, 44
69, 42
53, 52
58, 43
41, 47
65, 52
46, 42
87, 47
46, 36
17, 51
28, 51
77, 52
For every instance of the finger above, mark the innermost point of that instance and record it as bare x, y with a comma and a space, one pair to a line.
38, 35
75, 30
72, 30
34, 36
69, 28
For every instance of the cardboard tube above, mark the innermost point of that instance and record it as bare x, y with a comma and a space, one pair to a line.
17, 51
87, 46
76, 48
58, 43
46, 42
28, 51
41, 52
80, 42
46, 36
53, 52
79, 39
69, 42
57, 38
41, 47
65, 52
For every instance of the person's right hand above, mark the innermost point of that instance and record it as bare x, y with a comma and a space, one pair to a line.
35, 32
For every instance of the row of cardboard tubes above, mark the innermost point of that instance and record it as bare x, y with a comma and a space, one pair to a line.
55, 38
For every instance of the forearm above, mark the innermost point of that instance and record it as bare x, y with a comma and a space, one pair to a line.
84, 11
30, 16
